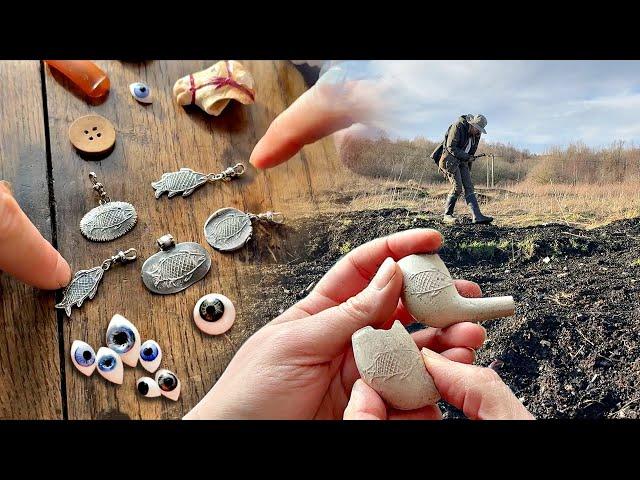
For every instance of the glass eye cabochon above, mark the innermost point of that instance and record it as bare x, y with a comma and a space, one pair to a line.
148, 387
150, 355
124, 339
173, 270
83, 357
214, 314
110, 365
168, 383
141, 92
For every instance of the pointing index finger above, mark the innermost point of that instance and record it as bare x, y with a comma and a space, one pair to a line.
316, 114
24, 252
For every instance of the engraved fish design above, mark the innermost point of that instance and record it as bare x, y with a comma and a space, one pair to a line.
177, 268
389, 364
184, 181
108, 221
428, 281
229, 227
83, 285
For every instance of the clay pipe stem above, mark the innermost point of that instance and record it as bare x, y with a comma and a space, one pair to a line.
486, 308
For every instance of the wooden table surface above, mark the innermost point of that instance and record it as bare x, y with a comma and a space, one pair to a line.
51, 183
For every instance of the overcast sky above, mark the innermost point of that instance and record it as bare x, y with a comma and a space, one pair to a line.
531, 104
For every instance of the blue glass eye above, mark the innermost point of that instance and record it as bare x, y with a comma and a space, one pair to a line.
110, 365
141, 92
107, 363
149, 351
85, 356
120, 338
124, 339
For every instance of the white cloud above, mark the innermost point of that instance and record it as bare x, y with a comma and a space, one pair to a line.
531, 104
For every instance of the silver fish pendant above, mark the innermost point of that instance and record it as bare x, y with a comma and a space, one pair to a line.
185, 181
109, 220
229, 229
84, 283
175, 267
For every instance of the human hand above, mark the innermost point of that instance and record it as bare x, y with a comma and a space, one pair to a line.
301, 365
478, 391
340, 99
24, 253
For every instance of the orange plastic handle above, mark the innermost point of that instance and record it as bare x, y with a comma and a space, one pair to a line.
86, 75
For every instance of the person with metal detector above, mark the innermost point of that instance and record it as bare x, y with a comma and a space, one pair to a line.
454, 157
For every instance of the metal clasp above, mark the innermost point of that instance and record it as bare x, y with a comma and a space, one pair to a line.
271, 217
228, 174
121, 257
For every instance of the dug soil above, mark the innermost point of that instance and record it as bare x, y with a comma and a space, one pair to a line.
571, 351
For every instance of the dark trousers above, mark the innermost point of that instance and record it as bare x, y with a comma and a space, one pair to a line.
459, 174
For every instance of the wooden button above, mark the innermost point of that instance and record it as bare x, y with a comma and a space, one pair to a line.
92, 134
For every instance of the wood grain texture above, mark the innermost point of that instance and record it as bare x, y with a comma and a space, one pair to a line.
151, 140
29, 359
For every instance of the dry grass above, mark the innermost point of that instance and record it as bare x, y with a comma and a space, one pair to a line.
522, 204
575, 185
582, 205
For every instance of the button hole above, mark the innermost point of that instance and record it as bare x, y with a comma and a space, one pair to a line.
99, 135
86, 131
90, 138
95, 128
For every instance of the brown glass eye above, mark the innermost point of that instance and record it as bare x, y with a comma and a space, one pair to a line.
168, 383
214, 314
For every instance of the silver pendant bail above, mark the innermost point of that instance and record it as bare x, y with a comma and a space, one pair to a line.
166, 242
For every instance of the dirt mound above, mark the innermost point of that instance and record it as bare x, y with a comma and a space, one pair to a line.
571, 350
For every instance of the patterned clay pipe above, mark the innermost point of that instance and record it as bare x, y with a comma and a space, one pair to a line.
432, 299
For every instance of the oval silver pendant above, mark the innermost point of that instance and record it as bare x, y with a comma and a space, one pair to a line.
108, 221
175, 267
228, 229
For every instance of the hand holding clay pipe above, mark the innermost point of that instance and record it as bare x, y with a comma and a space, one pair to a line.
301, 364
478, 391
24, 253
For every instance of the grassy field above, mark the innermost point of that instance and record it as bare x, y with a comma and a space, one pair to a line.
576, 186
522, 204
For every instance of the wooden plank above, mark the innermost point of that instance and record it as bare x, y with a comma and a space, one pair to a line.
29, 354
160, 138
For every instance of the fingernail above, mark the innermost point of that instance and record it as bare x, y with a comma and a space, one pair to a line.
430, 355
63, 272
357, 394
439, 234
7, 185
385, 273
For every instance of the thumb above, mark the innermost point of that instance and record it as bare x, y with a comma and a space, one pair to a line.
364, 404
479, 392
328, 333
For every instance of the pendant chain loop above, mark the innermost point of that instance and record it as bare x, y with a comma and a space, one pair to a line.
228, 174
269, 217
99, 189
120, 257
